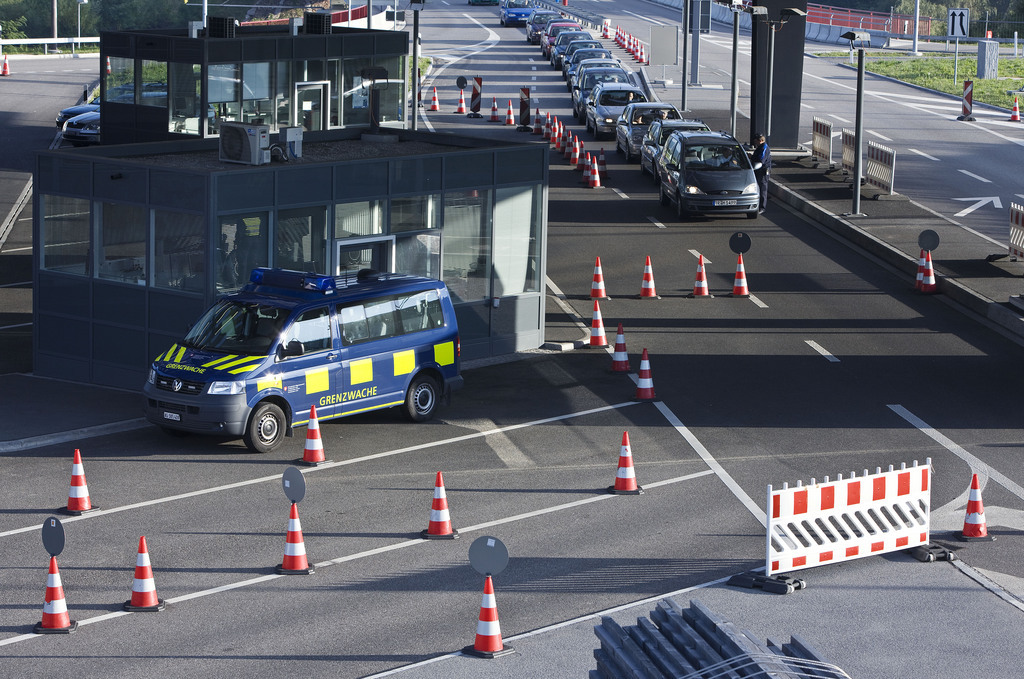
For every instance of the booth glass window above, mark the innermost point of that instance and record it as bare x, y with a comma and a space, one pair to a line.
185, 98
300, 239
122, 243
64, 233
179, 251
244, 245
419, 255
257, 105
466, 254
357, 220
222, 92
283, 94
153, 84
416, 213
517, 216
356, 102
120, 81
392, 92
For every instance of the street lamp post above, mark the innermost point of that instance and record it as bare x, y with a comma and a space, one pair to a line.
858, 127
737, 7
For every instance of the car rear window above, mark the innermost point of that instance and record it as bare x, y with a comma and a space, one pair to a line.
620, 97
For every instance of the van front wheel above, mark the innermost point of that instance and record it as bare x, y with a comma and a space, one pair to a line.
266, 428
421, 399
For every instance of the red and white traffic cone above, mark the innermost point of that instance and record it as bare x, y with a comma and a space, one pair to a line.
1014, 117
602, 166
739, 284
975, 528
144, 596
78, 493
574, 155
108, 65
488, 642
435, 105
569, 146
625, 477
547, 127
597, 290
582, 157
647, 289
510, 119
920, 271
585, 166
6, 69
620, 359
928, 284
495, 118
700, 284
642, 57
645, 384
597, 337
294, 562
56, 619
440, 526
313, 453
538, 126
556, 136
595, 176
462, 102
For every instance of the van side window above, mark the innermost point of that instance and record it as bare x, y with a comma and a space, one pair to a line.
380, 318
420, 311
313, 329
353, 324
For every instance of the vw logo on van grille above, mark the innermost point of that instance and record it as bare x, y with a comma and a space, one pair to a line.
176, 385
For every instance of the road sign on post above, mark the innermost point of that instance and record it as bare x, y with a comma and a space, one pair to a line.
958, 20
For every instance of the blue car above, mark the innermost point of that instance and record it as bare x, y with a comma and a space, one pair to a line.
515, 12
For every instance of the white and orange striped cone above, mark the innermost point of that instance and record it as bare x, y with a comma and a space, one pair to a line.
602, 166
108, 65
620, 358
569, 145
538, 126
440, 526
56, 619
6, 69
495, 118
510, 118
739, 284
975, 527
574, 155
625, 477
643, 55
700, 283
1014, 117
597, 336
294, 562
647, 289
78, 492
585, 166
144, 596
313, 452
597, 290
556, 136
462, 102
595, 176
920, 271
488, 642
547, 127
645, 383
435, 105
928, 284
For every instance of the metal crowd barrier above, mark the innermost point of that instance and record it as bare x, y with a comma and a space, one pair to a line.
881, 166
849, 149
821, 142
1016, 231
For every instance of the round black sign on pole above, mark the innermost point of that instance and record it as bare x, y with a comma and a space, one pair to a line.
461, 82
53, 536
739, 242
294, 484
488, 555
928, 240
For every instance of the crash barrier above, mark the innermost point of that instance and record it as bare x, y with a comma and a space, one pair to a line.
1016, 231
695, 642
849, 150
847, 519
881, 166
821, 142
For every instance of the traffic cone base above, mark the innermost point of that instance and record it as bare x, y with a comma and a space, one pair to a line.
472, 650
39, 629
158, 606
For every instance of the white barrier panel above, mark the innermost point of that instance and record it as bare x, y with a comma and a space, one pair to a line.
1016, 231
848, 519
821, 142
881, 166
849, 149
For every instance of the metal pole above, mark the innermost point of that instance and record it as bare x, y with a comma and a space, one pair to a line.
734, 101
771, 78
695, 30
369, 14
415, 67
686, 46
858, 131
917, 23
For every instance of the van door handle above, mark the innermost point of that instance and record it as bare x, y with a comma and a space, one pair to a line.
332, 356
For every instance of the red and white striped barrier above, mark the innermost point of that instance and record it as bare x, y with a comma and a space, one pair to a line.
849, 150
968, 102
821, 141
880, 169
847, 519
1016, 231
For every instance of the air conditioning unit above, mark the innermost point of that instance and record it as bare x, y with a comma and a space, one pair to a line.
244, 143
221, 27
290, 139
316, 23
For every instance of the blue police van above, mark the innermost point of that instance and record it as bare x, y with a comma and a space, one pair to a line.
260, 359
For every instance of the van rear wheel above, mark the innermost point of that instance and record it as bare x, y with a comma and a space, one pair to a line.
422, 398
266, 428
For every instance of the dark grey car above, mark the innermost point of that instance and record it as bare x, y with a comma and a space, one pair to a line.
706, 172
654, 141
634, 121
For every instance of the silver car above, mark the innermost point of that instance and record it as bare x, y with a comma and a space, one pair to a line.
633, 123
606, 103
654, 141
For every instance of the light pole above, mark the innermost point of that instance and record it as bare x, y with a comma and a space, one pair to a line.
854, 36
785, 14
737, 7
80, 3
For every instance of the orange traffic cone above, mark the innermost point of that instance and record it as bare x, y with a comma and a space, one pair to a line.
602, 167
547, 127
440, 526
920, 271
568, 146
620, 359
739, 285
625, 478
585, 166
294, 562
6, 70
574, 156
494, 110
582, 156
647, 286
488, 631
510, 119
928, 284
597, 338
595, 176
643, 55
144, 596
700, 285
1014, 117
538, 126
975, 528
78, 493
108, 65
644, 385
462, 102
556, 136
313, 453
597, 290
56, 619
435, 105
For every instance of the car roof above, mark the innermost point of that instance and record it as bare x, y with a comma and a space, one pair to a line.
705, 137
618, 86
683, 124
652, 104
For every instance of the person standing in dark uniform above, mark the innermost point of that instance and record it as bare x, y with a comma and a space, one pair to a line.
762, 154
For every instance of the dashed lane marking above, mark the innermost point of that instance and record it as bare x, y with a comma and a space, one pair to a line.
654, 221
821, 350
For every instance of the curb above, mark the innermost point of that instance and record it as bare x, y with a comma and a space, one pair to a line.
72, 435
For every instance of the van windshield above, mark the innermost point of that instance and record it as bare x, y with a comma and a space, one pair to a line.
238, 327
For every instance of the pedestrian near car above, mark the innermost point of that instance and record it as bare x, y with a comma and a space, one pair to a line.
762, 154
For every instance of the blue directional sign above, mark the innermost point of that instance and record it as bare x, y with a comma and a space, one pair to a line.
958, 21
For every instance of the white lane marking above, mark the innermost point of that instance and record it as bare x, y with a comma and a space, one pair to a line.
696, 255
372, 552
621, 194
654, 221
821, 350
758, 302
842, 120
880, 136
507, 451
710, 461
923, 154
975, 176
973, 462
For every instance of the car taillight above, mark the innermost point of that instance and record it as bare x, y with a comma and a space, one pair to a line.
458, 347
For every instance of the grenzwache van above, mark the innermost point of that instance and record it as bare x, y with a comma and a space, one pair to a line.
259, 359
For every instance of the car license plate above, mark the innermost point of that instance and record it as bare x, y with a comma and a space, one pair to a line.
172, 416
723, 203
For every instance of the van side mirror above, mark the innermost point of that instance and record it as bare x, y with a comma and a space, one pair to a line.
293, 348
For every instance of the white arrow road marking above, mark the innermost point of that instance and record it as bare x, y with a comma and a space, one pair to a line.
975, 176
979, 202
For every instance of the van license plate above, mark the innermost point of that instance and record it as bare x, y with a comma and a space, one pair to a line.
172, 416
723, 203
